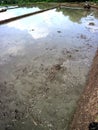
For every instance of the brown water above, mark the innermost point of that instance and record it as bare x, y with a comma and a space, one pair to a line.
44, 63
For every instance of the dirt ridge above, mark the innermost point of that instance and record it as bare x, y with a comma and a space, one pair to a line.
87, 110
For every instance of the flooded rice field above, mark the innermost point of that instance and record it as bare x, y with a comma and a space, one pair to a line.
16, 12
44, 64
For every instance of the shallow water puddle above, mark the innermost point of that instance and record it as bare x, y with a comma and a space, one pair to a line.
44, 63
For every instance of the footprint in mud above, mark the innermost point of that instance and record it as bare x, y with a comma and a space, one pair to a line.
54, 69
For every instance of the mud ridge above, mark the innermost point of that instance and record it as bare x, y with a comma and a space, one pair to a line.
87, 110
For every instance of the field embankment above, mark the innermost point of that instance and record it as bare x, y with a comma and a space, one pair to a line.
87, 110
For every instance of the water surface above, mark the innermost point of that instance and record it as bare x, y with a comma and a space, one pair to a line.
17, 12
30, 50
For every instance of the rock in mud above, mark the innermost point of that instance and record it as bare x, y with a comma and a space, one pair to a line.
57, 67
93, 126
59, 31
16, 111
92, 24
76, 50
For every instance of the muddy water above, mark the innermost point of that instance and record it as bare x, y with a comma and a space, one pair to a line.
44, 63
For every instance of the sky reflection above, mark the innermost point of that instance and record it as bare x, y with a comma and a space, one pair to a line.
40, 25
47, 29
90, 19
16, 12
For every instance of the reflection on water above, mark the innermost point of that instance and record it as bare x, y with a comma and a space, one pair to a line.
16, 12
90, 19
75, 15
67, 20
62, 27
82, 16
41, 25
